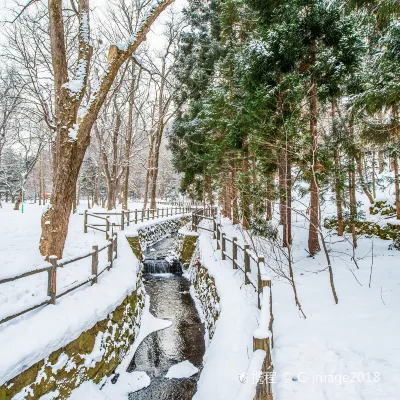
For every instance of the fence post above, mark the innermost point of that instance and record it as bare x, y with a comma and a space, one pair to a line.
52, 279
129, 217
116, 245
95, 263
218, 235
135, 216
259, 282
167, 211
85, 221
246, 263
263, 390
234, 252
122, 220
158, 213
194, 226
148, 214
162, 213
223, 246
142, 215
107, 227
214, 229
110, 253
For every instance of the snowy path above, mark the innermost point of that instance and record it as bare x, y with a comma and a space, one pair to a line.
229, 352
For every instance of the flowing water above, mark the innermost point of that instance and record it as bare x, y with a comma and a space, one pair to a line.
184, 340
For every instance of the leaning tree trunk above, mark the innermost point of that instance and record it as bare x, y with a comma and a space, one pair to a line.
313, 243
73, 133
364, 184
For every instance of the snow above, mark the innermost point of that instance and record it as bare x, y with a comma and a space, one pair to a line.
228, 354
184, 369
127, 381
186, 232
88, 390
51, 327
247, 390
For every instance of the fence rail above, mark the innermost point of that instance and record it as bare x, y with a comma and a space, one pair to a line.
54, 264
131, 216
263, 337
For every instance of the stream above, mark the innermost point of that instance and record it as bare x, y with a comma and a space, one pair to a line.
184, 340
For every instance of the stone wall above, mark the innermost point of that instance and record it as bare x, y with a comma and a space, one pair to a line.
206, 292
149, 234
93, 355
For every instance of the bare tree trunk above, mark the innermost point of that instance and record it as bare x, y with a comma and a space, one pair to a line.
128, 143
18, 202
41, 194
70, 153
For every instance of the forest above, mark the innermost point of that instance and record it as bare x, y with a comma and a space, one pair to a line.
279, 119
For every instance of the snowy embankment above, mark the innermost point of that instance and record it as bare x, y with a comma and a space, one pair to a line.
52, 327
127, 381
228, 355
344, 351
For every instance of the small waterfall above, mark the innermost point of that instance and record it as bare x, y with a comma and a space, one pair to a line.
162, 266
160, 259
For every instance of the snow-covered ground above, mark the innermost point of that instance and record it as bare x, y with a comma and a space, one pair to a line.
344, 351
19, 252
228, 355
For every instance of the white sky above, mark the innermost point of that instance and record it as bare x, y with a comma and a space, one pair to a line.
153, 37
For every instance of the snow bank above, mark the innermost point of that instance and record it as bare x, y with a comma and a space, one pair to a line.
227, 356
184, 369
53, 327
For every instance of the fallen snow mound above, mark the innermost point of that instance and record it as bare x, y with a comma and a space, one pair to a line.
184, 369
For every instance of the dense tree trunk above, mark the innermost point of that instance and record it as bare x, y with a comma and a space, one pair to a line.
281, 174
245, 191
270, 196
338, 192
313, 243
287, 216
396, 185
352, 189
373, 174
235, 206
381, 161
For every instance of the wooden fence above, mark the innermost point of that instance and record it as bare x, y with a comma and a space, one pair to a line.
263, 338
54, 264
126, 217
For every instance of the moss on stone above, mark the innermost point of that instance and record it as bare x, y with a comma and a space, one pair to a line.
65, 381
187, 248
134, 242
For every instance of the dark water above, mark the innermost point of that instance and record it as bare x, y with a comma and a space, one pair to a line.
184, 340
